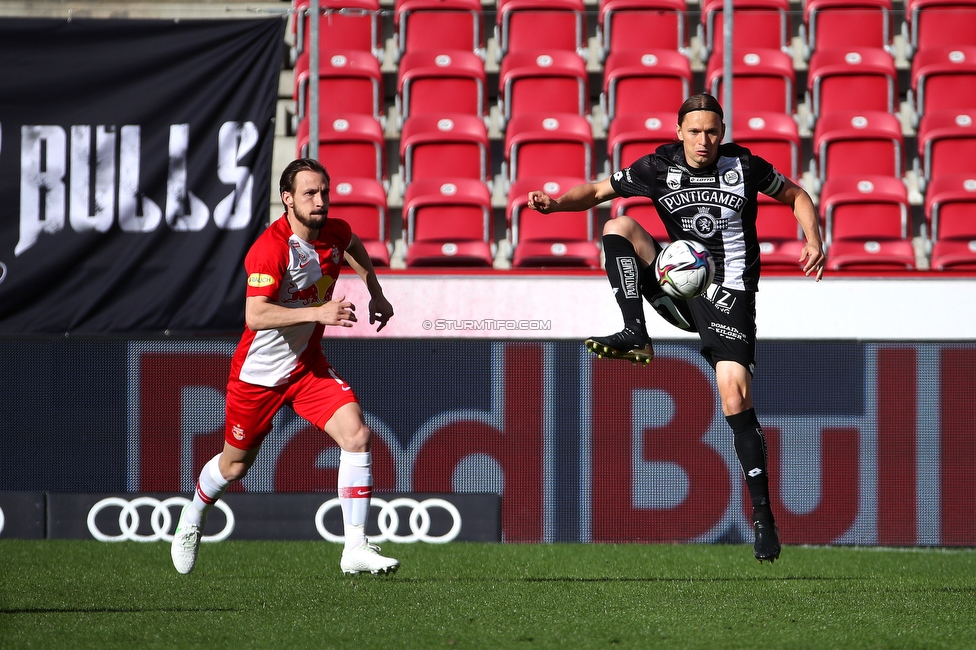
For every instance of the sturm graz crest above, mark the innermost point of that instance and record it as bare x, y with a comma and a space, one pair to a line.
704, 222
674, 178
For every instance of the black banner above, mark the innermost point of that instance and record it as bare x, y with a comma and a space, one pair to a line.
22, 515
135, 164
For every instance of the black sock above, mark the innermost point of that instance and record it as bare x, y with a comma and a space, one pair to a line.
624, 272
649, 285
750, 448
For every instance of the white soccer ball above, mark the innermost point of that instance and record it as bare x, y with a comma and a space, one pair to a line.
684, 269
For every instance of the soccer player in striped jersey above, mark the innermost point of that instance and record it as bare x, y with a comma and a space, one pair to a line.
704, 191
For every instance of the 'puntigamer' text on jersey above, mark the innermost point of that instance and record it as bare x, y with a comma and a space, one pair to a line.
293, 273
715, 205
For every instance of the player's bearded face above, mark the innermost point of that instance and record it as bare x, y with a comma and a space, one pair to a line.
311, 199
701, 133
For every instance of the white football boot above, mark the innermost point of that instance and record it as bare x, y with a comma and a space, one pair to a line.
186, 544
367, 558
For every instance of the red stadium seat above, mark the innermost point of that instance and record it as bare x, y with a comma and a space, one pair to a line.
444, 146
848, 24
643, 81
539, 144
343, 25
865, 207
351, 143
551, 82
954, 255
946, 144
550, 240
869, 143
950, 209
448, 223
776, 221
642, 24
438, 25
944, 78
439, 81
866, 221
549, 25
871, 255
361, 202
780, 236
763, 80
634, 135
641, 209
852, 80
763, 24
938, 23
349, 82
772, 136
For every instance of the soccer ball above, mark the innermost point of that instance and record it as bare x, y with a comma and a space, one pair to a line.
684, 269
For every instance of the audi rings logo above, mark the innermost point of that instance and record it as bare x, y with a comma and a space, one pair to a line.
388, 520
160, 518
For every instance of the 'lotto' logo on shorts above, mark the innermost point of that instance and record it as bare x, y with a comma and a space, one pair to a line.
238, 432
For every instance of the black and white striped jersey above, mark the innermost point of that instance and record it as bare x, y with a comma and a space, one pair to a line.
716, 206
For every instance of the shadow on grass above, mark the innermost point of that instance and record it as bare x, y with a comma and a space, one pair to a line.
113, 610
623, 579
665, 579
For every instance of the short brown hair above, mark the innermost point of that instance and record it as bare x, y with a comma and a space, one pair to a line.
700, 102
287, 182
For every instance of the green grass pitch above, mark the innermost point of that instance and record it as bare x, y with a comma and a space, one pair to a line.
68, 594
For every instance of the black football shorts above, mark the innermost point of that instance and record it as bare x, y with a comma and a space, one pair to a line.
726, 322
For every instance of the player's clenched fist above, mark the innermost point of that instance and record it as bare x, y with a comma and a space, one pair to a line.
540, 201
380, 311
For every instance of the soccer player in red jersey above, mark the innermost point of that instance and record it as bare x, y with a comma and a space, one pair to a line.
291, 272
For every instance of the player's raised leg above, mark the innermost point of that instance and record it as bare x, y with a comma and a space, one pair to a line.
623, 265
355, 487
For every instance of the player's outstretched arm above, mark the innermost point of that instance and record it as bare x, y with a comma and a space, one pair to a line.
577, 198
812, 257
380, 309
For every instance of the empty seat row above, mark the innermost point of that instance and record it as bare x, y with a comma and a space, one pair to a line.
635, 81
866, 223
544, 101
418, 25
863, 199
629, 24
844, 144
865, 219
456, 146
450, 223
448, 49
